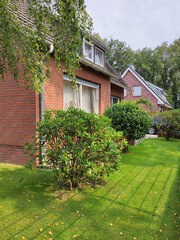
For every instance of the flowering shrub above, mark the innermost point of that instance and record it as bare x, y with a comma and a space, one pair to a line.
169, 123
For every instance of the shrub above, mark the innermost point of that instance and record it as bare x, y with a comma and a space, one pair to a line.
76, 144
128, 117
145, 102
169, 123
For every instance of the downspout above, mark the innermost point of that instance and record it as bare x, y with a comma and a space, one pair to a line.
41, 96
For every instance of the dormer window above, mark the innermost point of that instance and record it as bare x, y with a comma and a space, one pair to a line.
93, 53
98, 56
88, 50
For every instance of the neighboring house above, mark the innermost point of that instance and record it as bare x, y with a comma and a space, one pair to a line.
144, 89
98, 84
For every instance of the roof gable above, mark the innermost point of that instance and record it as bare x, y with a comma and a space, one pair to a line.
149, 86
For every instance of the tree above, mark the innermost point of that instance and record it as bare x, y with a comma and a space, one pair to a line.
160, 66
97, 36
174, 73
164, 69
148, 64
119, 55
63, 22
162, 51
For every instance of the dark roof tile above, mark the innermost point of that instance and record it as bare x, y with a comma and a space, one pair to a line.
117, 81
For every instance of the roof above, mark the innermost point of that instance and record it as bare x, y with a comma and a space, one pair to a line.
99, 43
96, 67
158, 92
117, 80
21, 9
107, 69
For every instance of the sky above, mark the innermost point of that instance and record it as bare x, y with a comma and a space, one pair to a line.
139, 23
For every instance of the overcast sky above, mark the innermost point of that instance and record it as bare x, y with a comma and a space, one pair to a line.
140, 23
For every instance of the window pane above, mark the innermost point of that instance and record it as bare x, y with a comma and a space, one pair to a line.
98, 56
137, 91
88, 50
70, 96
114, 100
84, 97
89, 100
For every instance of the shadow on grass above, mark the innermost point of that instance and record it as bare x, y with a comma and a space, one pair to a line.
170, 221
24, 188
93, 211
96, 211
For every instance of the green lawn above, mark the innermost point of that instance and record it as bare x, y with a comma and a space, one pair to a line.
138, 202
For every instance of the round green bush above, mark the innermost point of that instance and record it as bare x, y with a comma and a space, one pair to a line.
77, 144
128, 117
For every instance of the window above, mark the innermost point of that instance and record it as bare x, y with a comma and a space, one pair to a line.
137, 91
88, 50
70, 96
85, 96
93, 53
125, 93
114, 100
98, 56
159, 109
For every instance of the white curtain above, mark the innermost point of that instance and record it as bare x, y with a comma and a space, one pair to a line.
83, 97
98, 56
70, 96
86, 99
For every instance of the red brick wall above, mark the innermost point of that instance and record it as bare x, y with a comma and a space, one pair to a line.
17, 119
53, 90
117, 91
132, 81
104, 85
19, 108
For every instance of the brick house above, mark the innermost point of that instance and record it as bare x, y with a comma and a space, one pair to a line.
140, 88
20, 109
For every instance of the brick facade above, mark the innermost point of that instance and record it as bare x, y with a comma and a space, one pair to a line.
117, 91
17, 119
104, 85
53, 89
20, 109
132, 81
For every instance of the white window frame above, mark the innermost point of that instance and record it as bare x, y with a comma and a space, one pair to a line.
82, 82
125, 92
113, 97
137, 94
101, 64
92, 47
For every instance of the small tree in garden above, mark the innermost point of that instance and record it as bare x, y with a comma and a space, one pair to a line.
128, 117
77, 144
169, 123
